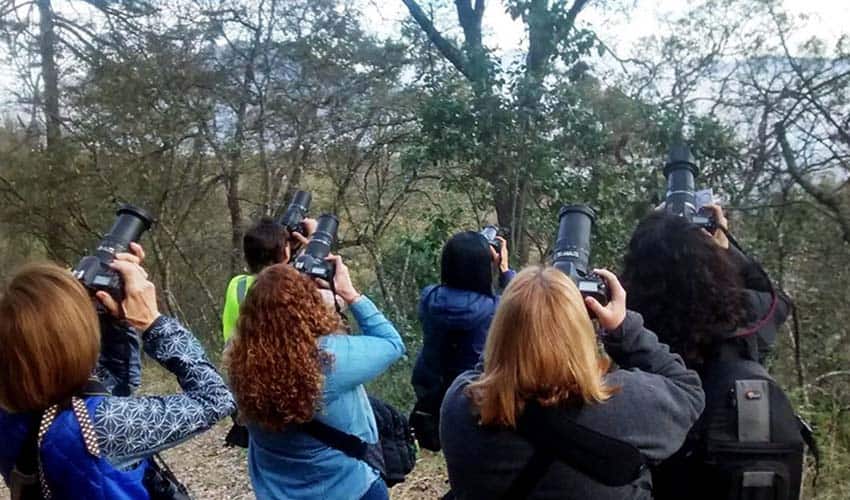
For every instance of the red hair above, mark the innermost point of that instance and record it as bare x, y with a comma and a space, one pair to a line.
274, 362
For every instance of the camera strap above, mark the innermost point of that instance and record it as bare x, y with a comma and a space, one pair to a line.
556, 436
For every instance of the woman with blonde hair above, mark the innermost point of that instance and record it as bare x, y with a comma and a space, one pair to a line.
290, 363
542, 358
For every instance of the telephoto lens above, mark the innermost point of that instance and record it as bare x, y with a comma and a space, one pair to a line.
312, 262
572, 251
294, 215
93, 271
681, 171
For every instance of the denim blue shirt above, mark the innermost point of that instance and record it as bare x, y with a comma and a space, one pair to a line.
292, 464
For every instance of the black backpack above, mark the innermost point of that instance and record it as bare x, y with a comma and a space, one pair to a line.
747, 445
394, 456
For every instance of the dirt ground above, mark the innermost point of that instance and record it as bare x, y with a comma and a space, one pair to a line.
212, 471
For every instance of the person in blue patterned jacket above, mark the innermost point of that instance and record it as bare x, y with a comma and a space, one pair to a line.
93, 446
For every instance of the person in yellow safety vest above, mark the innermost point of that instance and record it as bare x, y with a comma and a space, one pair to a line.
265, 243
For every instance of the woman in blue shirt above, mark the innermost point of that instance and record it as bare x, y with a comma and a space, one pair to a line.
290, 363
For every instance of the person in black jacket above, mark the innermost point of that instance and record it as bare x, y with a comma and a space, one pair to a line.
542, 352
717, 308
695, 290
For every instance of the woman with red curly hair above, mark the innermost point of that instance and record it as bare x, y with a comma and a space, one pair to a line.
291, 363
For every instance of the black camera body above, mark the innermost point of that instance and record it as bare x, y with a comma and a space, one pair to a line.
293, 218
312, 262
571, 255
681, 170
490, 232
93, 271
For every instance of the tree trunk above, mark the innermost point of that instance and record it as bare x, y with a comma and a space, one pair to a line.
50, 74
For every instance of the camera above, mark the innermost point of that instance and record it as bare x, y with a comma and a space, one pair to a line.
681, 171
490, 232
93, 271
293, 218
572, 251
312, 262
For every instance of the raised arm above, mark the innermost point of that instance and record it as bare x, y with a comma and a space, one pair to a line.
360, 358
119, 367
129, 428
665, 398
659, 399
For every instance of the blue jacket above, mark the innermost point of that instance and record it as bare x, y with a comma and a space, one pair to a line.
292, 464
454, 328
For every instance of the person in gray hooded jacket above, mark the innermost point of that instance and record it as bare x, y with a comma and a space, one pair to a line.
542, 350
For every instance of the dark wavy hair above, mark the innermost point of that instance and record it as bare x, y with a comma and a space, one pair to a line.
686, 287
274, 362
466, 263
264, 244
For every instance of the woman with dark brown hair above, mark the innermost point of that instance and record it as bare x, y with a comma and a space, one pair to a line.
290, 363
59, 427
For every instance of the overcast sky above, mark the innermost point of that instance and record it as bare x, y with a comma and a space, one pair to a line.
623, 23
620, 26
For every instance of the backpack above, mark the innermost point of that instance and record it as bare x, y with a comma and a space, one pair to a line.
747, 445
394, 456
397, 441
27, 480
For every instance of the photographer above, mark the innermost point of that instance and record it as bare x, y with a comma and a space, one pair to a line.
717, 308
696, 290
455, 316
546, 416
80, 441
265, 243
291, 363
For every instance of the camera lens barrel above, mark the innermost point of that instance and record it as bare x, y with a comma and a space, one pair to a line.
129, 226
296, 211
323, 239
93, 271
681, 171
572, 246
302, 199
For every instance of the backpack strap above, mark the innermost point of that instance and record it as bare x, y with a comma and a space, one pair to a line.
529, 476
555, 434
347, 443
241, 289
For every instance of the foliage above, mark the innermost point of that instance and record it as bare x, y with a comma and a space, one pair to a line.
211, 113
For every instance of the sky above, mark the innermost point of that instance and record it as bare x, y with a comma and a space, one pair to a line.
622, 24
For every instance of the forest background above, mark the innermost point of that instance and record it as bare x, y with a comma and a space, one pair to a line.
210, 113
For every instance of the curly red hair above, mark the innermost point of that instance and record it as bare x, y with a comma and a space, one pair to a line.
274, 361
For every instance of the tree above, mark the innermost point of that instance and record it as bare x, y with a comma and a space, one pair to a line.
507, 129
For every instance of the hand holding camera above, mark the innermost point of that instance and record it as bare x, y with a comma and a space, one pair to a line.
715, 212
611, 315
342, 280
138, 305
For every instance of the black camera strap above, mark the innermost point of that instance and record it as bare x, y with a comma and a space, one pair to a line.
556, 436
805, 429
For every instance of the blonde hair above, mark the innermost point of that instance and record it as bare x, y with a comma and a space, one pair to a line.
541, 346
49, 338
